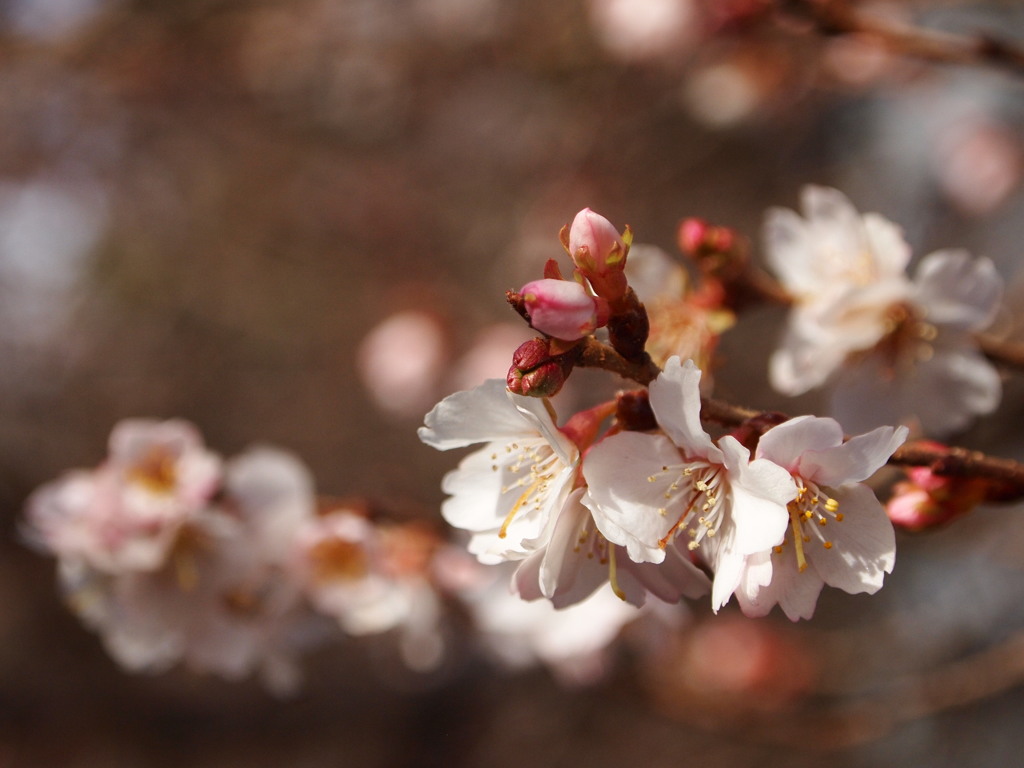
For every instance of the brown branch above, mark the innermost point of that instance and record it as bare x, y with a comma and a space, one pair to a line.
1006, 475
1008, 353
593, 354
837, 17
958, 684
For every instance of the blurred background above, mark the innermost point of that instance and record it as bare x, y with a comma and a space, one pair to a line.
293, 222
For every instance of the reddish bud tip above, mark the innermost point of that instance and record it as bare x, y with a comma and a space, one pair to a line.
535, 372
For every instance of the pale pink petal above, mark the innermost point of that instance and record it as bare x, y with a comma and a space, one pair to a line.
474, 416
863, 544
954, 289
785, 443
887, 243
675, 399
789, 249
853, 461
625, 504
795, 592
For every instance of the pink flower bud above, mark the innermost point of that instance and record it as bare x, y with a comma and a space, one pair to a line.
599, 253
698, 238
595, 233
563, 308
927, 499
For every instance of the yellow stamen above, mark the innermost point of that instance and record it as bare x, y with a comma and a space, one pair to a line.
798, 537
613, 574
503, 532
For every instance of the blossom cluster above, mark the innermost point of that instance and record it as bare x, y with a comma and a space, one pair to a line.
173, 554
635, 493
670, 511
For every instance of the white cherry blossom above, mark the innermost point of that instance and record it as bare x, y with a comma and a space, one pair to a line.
645, 490
844, 271
839, 533
929, 369
126, 514
579, 560
507, 494
897, 350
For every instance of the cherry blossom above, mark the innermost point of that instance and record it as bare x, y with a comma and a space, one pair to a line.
929, 369
646, 489
223, 600
579, 560
905, 347
126, 514
508, 493
839, 533
844, 272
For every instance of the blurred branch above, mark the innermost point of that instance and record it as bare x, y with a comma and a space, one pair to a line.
1008, 353
957, 684
840, 17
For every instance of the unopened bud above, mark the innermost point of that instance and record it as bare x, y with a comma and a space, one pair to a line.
697, 238
563, 309
535, 372
927, 499
599, 252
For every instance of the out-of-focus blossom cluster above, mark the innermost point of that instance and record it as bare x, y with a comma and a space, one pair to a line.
174, 555
235, 567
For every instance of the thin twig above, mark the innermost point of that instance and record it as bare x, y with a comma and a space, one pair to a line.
594, 354
1007, 353
836, 17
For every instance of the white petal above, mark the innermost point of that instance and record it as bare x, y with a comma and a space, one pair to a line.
760, 523
853, 461
795, 592
535, 413
863, 543
760, 491
802, 363
475, 493
784, 443
727, 565
675, 400
473, 416
789, 250
561, 564
887, 243
624, 503
955, 289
